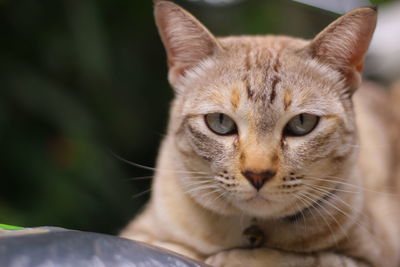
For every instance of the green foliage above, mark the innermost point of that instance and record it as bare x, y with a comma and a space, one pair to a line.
72, 90
10, 227
379, 2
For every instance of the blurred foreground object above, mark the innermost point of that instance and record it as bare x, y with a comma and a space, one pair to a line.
50, 246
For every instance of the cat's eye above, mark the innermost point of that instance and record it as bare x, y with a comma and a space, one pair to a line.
301, 124
220, 123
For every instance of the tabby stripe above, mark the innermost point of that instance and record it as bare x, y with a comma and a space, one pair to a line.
275, 81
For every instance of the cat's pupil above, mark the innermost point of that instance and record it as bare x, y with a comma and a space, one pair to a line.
221, 118
301, 119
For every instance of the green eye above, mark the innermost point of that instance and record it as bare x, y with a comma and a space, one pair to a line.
220, 123
301, 124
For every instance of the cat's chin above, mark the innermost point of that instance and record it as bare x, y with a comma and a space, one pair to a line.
259, 206
255, 206
257, 200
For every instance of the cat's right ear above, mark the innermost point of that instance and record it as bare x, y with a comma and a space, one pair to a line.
344, 42
185, 39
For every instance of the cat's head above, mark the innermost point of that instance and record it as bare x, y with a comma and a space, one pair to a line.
265, 122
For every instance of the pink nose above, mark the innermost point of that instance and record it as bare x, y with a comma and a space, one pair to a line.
258, 179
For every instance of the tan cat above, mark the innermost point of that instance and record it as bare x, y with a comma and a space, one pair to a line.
270, 160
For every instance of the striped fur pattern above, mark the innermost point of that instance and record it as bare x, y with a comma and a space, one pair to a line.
328, 203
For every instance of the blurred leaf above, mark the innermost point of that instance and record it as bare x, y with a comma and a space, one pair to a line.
379, 2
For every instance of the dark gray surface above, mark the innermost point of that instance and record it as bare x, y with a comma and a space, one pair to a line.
49, 246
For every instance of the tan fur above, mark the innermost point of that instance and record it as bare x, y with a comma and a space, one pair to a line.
287, 100
235, 98
333, 199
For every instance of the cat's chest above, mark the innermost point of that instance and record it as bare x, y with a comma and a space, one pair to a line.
251, 233
239, 232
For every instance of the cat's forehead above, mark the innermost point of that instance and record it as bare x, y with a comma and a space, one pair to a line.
264, 73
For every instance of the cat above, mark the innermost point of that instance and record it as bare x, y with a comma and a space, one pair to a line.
274, 156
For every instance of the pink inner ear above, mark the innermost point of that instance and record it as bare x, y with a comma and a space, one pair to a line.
344, 43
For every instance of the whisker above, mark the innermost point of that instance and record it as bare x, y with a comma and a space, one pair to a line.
204, 197
352, 185
334, 196
194, 183
301, 209
152, 176
307, 205
139, 178
356, 221
142, 193
222, 193
338, 198
329, 188
333, 217
315, 201
202, 187
151, 168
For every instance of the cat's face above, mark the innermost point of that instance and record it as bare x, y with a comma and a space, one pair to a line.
265, 122
264, 110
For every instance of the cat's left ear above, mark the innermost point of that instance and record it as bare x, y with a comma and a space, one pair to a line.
344, 42
185, 39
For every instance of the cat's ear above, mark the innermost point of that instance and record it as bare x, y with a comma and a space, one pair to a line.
186, 40
344, 43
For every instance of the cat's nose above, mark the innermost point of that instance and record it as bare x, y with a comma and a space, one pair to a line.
258, 179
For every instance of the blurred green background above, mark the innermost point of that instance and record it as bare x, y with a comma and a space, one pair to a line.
81, 80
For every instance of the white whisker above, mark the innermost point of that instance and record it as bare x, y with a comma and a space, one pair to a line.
301, 209
332, 179
142, 193
315, 201
336, 197
139, 178
154, 169
332, 216
202, 187
336, 189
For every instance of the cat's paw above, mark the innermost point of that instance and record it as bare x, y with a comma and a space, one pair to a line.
261, 257
229, 258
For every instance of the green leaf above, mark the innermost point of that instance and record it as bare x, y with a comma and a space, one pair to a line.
10, 227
